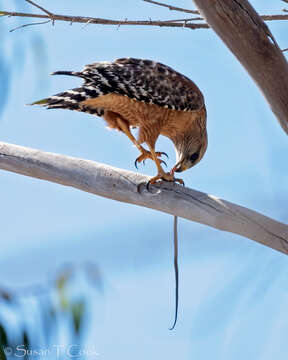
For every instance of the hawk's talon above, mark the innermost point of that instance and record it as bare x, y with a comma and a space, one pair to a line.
180, 181
147, 155
147, 186
163, 162
160, 153
143, 162
164, 177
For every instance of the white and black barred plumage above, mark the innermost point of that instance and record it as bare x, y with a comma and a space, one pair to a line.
143, 80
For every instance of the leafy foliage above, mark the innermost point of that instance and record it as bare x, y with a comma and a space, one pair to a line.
61, 308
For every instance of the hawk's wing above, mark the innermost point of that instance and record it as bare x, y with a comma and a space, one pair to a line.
146, 81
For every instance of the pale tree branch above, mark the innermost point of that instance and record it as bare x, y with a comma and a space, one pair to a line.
250, 40
122, 185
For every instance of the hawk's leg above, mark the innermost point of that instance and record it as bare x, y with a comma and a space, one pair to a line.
145, 154
162, 175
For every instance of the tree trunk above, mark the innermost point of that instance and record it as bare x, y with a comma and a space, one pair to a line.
250, 40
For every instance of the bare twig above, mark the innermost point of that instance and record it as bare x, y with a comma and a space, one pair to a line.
274, 17
283, 50
178, 23
40, 7
122, 185
170, 7
100, 21
86, 24
184, 20
31, 24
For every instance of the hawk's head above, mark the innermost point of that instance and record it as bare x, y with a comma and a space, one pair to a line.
189, 151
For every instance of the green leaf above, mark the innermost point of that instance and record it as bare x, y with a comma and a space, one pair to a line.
2, 354
78, 309
61, 285
26, 341
64, 301
3, 337
66, 273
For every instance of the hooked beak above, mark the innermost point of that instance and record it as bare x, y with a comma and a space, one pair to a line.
178, 168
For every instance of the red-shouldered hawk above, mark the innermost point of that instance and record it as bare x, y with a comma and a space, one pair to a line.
146, 94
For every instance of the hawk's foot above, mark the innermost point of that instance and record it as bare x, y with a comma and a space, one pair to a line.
147, 155
162, 176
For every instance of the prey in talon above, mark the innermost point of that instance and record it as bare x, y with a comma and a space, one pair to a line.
145, 94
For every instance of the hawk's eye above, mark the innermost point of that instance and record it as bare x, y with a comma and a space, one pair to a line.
194, 157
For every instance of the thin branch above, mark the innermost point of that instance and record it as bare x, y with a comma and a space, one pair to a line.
100, 21
274, 17
171, 7
40, 7
31, 24
179, 23
184, 20
125, 186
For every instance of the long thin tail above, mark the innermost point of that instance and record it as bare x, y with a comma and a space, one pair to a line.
176, 271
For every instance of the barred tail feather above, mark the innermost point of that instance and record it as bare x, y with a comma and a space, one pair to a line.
69, 73
72, 73
62, 100
71, 99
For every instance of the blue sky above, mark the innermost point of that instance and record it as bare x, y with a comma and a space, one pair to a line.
233, 292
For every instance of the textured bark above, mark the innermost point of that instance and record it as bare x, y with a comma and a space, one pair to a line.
123, 186
250, 40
